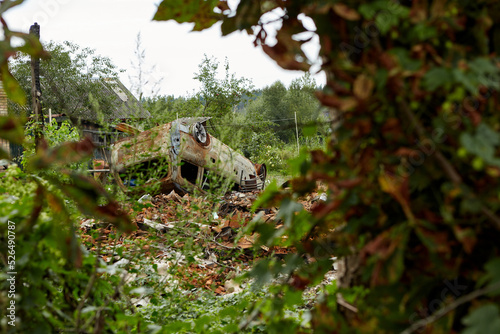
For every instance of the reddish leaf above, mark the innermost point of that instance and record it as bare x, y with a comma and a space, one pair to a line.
63, 154
346, 12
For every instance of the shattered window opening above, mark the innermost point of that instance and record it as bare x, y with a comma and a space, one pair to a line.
189, 171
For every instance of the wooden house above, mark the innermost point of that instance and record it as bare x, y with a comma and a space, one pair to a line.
101, 129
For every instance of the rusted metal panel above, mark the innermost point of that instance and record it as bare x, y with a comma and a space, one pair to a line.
147, 145
127, 128
191, 155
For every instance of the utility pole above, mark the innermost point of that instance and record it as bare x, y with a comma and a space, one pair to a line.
297, 132
36, 91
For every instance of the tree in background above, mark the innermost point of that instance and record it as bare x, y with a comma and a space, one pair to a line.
412, 208
301, 99
272, 105
279, 105
164, 109
220, 96
68, 78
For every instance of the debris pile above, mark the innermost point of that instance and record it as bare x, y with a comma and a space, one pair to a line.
163, 222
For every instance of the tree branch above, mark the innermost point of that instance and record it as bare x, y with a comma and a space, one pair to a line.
447, 167
450, 307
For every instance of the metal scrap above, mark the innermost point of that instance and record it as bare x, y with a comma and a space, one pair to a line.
181, 156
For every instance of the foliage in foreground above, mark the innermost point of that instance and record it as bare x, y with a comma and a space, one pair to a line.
414, 177
59, 285
413, 180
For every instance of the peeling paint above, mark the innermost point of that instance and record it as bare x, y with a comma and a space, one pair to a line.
181, 156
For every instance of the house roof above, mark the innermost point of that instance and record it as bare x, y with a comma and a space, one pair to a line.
121, 104
125, 103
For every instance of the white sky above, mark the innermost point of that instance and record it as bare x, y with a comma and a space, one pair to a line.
111, 27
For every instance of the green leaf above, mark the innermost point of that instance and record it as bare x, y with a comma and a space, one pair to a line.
271, 191
405, 60
483, 143
492, 274
367, 10
202, 322
483, 320
467, 79
487, 134
288, 210
14, 91
86, 193
437, 77
472, 205
247, 16
9, 4
422, 32
201, 13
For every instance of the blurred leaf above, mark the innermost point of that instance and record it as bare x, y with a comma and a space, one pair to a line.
12, 129
405, 60
386, 22
247, 15
492, 275
368, 10
346, 12
63, 154
12, 87
5, 5
467, 79
363, 87
397, 187
288, 210
482, 65
483, 320
201, 13
437, 77
483, 143
87, 193
487, 134
31, 46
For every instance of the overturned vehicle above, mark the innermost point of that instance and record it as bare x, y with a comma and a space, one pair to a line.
181, 156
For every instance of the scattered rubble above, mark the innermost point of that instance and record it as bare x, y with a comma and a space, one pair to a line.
215, 224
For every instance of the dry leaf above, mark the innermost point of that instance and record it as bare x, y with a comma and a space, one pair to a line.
346, 12
363, 87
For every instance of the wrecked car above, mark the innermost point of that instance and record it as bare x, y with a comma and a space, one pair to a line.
181, 156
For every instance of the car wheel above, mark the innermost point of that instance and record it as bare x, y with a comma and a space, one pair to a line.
199, 133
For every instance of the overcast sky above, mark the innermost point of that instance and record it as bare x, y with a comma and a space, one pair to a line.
111, 27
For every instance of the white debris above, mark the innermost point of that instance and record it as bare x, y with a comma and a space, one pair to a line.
88, 223
140, 302
232, 287
121, 263
157, 226
144, 198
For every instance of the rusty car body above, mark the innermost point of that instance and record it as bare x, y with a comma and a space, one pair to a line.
181, 156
